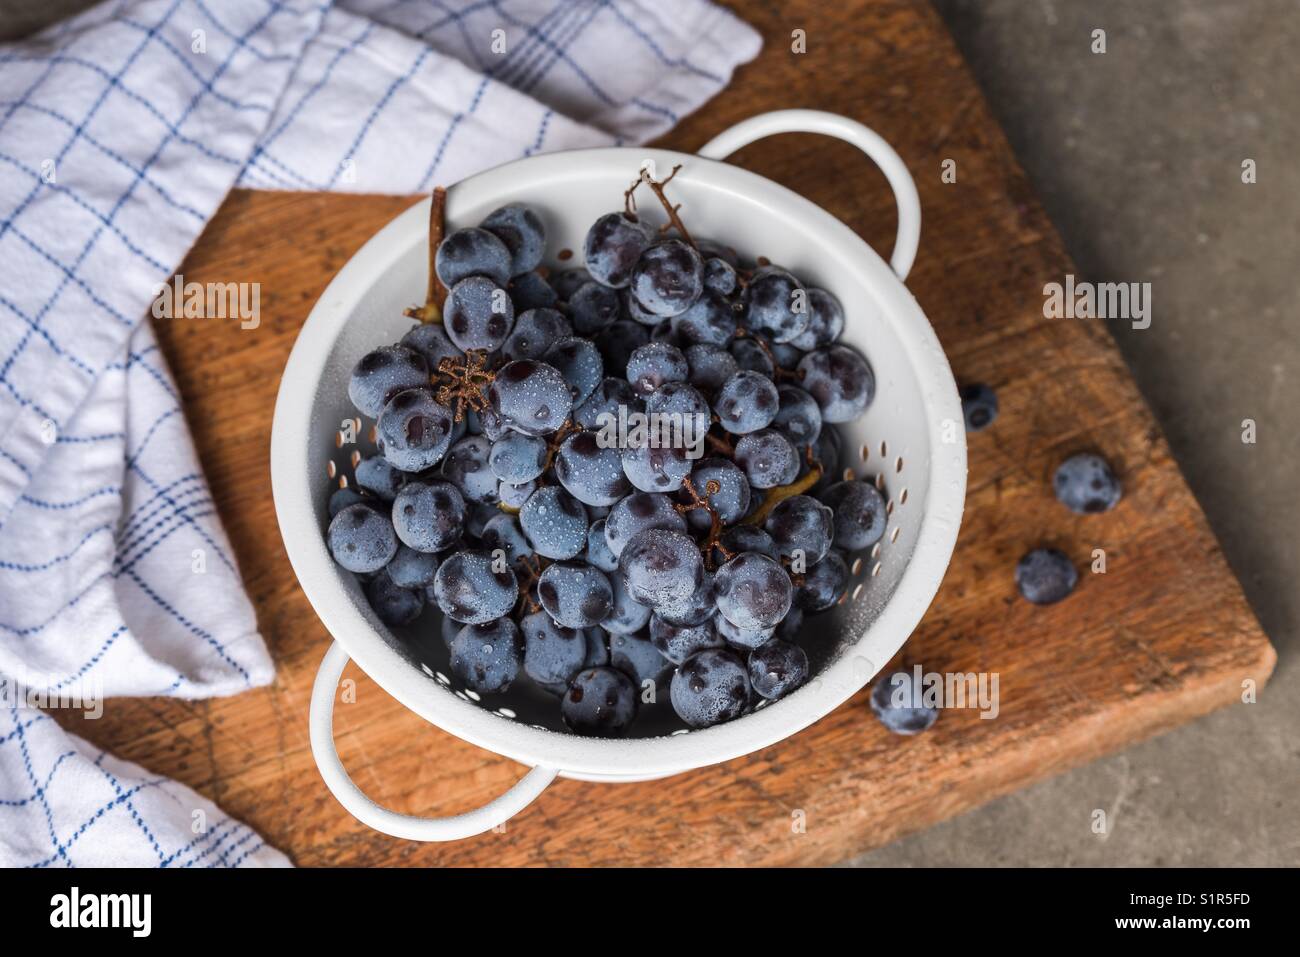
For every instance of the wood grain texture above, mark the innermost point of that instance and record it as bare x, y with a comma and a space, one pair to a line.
1164, 636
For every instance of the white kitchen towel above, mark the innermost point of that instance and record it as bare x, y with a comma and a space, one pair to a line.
121, 130
82, 807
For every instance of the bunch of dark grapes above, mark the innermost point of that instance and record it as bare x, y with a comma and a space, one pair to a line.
606, 572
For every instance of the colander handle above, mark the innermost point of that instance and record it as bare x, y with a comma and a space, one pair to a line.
365, 810
851, 131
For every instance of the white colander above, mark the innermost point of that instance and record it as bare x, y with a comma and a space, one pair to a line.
911, 442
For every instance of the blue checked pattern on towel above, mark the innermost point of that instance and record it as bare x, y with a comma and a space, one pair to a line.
121, 131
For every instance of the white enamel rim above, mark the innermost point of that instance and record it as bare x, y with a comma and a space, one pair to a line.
547, 752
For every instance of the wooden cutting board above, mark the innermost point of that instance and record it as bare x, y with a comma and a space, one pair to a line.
1162, 637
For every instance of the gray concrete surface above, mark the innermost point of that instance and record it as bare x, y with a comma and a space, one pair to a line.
1137, 155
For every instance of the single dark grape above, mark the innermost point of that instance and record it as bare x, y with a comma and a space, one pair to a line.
719, 276
662, 568
653, 469
341, 498
747, 402
682, 409
472, 588
613, 246
752, 357
566, 283
575, 594
377, 476
730, 500
429, 516
655, 363
799, 417
898, 701
801, 527
487, 656
776, 305
668, 277
414, 431
593, 307
466, 466
710, 367
840, 380
823, 584
636, 513
710, 320
1085, 484
600, 702
514, 496
679, 642
825, 321
412, 569
502, 532
530, 291
473, 252
618, 341
394, 604
639, 659
523, 233
859, 511
579, 362
478, 314
1045, 576
535, 331
626, 615
382, 374
590, 472
979, 406
531, 397
767, 458
710, 687
555, 523
605, 400
776, 668
553, 653
517, 458
753, 591
361, 539
430, 340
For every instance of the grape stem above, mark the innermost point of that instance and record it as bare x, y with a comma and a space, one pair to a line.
721, 444
436, 295
555, 440
762, 343
463, 382
711, 487
531, 568
775, 496
657, 187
